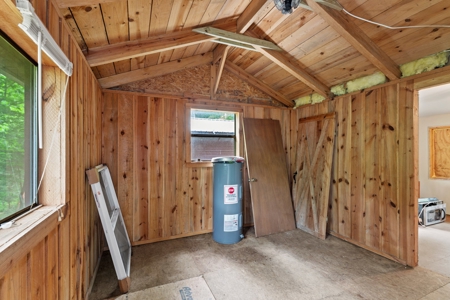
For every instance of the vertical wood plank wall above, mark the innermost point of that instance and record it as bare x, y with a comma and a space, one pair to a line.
374, 174
62, 264
144, 146
374, 182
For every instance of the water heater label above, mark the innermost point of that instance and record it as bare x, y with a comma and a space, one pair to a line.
230, 194
230, 223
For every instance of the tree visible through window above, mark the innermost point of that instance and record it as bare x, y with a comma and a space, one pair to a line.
213, 134
18, 150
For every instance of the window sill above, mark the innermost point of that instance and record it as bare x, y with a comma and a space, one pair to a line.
25, 234
199, 164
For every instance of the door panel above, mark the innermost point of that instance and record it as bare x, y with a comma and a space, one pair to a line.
269, 183
311, 187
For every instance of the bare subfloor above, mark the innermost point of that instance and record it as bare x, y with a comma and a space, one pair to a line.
290, 265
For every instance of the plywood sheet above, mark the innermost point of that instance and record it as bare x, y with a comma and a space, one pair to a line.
269, 184
192, 288
311, 189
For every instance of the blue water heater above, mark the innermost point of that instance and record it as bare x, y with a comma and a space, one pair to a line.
227, 199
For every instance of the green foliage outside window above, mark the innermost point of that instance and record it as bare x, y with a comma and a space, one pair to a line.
12, 152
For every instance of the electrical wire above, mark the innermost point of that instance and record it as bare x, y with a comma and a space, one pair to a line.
394, 27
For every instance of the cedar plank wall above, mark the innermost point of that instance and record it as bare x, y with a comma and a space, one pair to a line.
374, 176
374, 181
144, 146
63, 263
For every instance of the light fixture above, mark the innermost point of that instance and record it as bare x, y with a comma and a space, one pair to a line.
286, 6
32, 26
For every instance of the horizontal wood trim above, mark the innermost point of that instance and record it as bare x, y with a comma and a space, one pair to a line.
155, 71
318, 118
31, 230
200, 99
170, 238
432, 78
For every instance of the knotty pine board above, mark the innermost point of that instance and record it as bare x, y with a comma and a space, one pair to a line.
377, 144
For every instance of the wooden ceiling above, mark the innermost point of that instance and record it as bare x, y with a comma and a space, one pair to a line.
130, 40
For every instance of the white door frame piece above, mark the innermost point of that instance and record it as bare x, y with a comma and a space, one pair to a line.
112, 221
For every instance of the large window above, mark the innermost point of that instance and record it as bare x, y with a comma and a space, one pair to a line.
213, 133
18, 144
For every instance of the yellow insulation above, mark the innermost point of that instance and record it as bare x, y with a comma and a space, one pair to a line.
424, 64
365, 82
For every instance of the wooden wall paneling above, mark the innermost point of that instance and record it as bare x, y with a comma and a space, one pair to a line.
36, 266
195, 202
247, 209
85, 205
182, 172
358, 215
51, 265
171, 219
388, 170
125, 160
407, 173
61, 264
14, 284
332, 222
206, 198
344, 164
75, 140
141, 168
371, 168
64, 265
157, 169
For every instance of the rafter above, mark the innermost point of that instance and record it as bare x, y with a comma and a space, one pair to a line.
220, 70
235, 39
237, 71
282, 60
72, 3
340, 22
156, 44
255, 10
157, 70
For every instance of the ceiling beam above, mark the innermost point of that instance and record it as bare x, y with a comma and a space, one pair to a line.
121, 51
72, 3
237, 71
282, 60
155, 44
340, 22
155, 71
235, 39
254, 11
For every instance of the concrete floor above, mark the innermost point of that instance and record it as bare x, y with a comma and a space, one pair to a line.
434, 247
290, 265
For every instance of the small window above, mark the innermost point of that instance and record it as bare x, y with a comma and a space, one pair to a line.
18, 131
211, 132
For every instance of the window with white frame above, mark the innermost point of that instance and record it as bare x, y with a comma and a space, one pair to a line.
18, 131
213, 133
